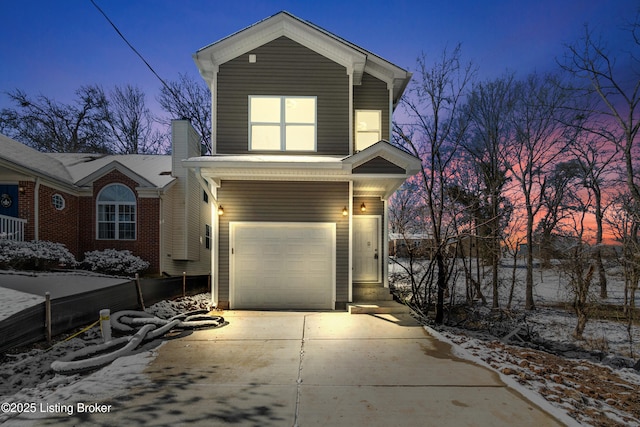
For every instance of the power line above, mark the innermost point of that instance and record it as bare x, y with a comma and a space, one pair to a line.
175, 95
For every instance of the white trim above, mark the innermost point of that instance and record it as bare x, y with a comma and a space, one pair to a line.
355, 125
233, 225
213, 87
390, 136
116, 222
215, 256
385, 243
352, 142
350, 279
36, 208
282, 124
379, 239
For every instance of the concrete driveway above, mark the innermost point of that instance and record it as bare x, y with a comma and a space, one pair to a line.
316, 369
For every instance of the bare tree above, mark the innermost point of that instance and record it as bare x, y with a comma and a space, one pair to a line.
187, 99
580, 266
132, 125
538, 140
594, 156
614, 77
623, 221
434, 104
559, 182
490, 105
48, 126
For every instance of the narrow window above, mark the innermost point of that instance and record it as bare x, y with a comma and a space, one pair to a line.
116, 208
368, 128
207, 236
282, 123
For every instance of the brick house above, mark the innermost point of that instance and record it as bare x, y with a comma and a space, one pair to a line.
95, 202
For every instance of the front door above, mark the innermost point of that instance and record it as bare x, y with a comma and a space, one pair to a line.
9, 200
366, 248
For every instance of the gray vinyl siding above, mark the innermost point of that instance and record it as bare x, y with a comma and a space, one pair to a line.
379, 165
283, 68
373, 94
285, 201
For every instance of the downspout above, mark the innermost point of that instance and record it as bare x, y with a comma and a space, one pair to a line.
36, 210
161, 237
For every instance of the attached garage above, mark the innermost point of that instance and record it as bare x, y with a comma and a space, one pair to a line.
282, 265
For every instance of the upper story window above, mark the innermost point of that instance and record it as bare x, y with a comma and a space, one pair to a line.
116, 207
282, 123
368, 128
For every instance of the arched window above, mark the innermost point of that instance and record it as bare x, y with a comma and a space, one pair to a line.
116, 213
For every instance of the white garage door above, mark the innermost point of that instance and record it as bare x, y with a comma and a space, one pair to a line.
282, 265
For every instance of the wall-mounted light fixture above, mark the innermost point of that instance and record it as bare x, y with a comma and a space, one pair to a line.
345, 212
22, 190
363, 207
220, 210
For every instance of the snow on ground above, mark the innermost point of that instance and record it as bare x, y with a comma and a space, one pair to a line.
590, 380
25, 374
12, 302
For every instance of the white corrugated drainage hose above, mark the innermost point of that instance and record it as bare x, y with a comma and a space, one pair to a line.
150, 327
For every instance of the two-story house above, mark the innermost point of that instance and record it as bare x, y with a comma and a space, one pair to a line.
301, 170
289, 211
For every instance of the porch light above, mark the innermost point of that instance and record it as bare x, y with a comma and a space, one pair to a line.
220, 210
345, 212
363, 207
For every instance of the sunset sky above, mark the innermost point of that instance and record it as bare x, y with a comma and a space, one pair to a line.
54, 47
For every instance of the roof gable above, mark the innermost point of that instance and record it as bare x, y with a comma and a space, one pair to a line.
384, 155
378, 165
146, 170
354, 58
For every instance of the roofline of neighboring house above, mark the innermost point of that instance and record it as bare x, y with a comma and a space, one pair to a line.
115, 165
25, 170
81, 186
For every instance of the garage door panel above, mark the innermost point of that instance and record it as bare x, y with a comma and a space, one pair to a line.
283, 265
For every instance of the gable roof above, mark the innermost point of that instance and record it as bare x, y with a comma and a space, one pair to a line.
80, 169
146, 169
384, 150
356, 59
26, 159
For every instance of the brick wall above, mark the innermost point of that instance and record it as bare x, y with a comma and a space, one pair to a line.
147, 242
58, 225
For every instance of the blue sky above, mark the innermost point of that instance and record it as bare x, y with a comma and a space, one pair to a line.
54, 47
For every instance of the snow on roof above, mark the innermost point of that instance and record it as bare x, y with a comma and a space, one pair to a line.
26, 157
154, 168
71, 168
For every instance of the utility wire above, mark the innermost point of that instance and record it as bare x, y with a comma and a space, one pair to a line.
171, 91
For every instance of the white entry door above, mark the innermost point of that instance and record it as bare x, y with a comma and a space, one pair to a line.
366, 248
277, 265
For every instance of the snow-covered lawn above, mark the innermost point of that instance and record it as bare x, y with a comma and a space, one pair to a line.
591, 380
12, 302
